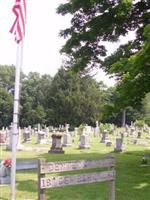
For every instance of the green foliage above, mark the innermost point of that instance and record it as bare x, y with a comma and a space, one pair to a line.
7, 75
146, 108
80, 129
67, 98
106, 126
139, 123
94, 22
134, 74
6, 107
34, 94
74, 99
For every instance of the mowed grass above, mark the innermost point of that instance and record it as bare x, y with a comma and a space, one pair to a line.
132, 179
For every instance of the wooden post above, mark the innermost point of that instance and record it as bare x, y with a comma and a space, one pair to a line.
111, 185
41, 192
111, 190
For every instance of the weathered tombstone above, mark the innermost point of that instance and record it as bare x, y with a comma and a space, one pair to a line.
56, 144
7, 133
84, 141
132, 131
119, 145
2, 137
30, 129
26, 135
46, 131
19, 145
139, 134
67, 140
105, 138
41, 137
38, 127
9, 145
67, 128
96, 130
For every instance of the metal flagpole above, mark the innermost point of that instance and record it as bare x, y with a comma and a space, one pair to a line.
15, 132
18, 29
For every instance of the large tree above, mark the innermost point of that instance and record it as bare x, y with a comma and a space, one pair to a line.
34, 95
6, 107
146, 108
74, 99
97, 21
7, 77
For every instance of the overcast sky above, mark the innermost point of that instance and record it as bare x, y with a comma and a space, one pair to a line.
42, 43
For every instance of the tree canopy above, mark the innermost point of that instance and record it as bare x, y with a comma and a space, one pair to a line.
98, 21
74, 99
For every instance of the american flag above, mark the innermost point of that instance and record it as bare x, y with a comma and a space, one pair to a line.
18, 27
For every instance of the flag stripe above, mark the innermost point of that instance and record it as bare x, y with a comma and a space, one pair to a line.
18, 27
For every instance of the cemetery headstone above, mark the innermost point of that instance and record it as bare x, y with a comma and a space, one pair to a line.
96, 130
41, 137
56, 143
119, 145
139, 134
2, 137
67, 140
9, 145
105, 138
84, 141
26, 135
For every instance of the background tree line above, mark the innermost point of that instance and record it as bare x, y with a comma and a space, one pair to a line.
66, 98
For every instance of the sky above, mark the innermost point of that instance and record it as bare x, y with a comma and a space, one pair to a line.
42, 42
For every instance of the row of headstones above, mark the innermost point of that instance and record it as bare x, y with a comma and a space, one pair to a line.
136, 130
83, 143
6, 135
43, 134
26, 133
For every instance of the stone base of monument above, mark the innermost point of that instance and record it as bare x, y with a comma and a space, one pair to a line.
67, 145
42, 141
4, 175
5, 180
19, 147
108, 143
105, 137
56, 151
84, 147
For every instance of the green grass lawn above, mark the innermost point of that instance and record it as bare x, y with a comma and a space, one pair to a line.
132, 179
